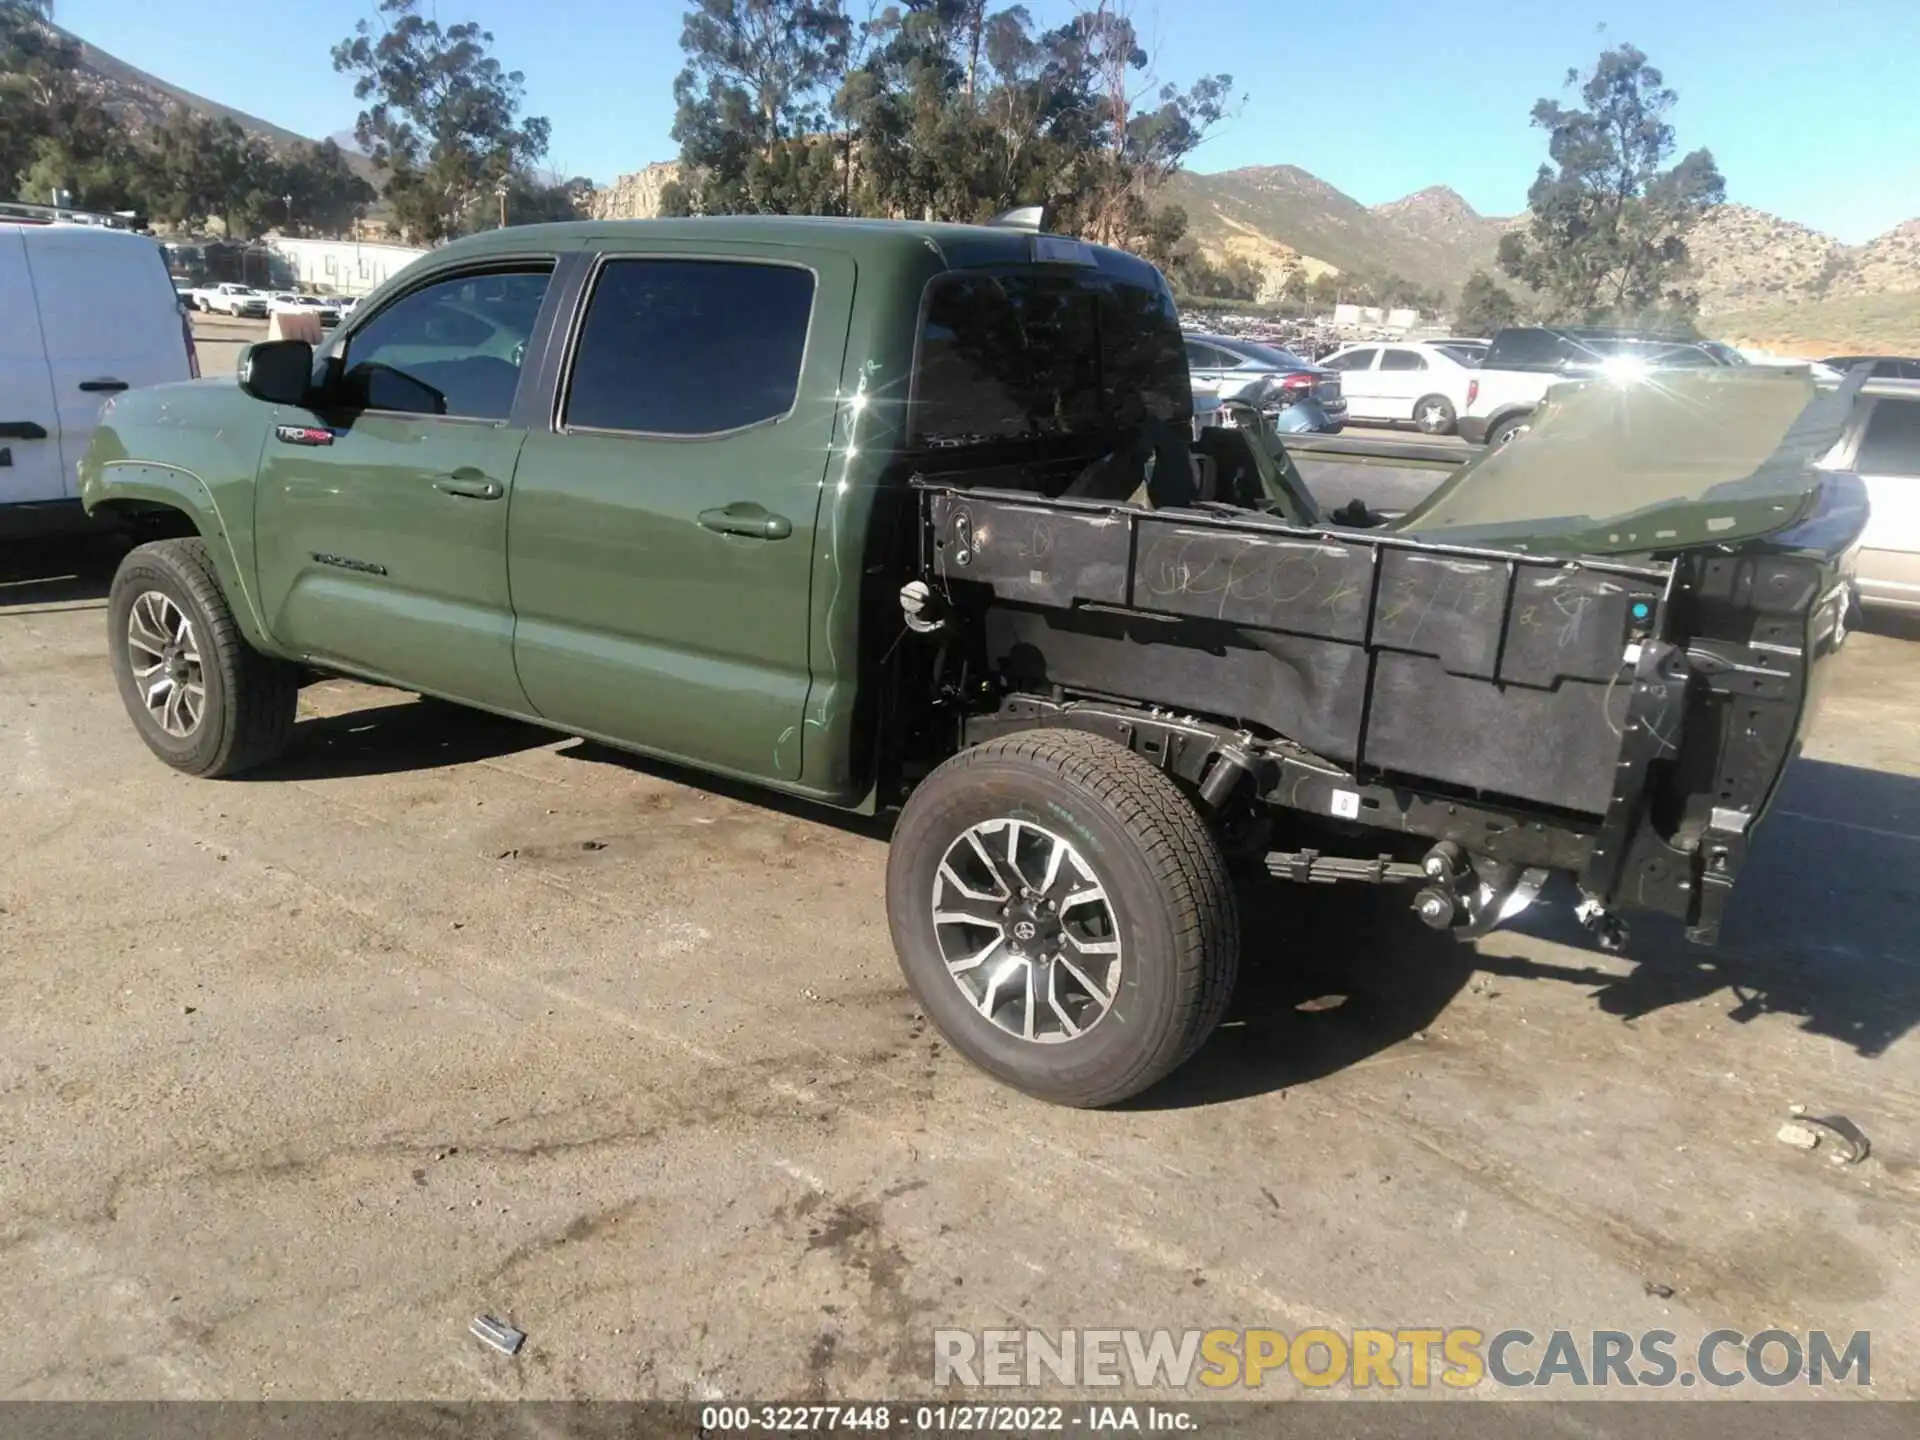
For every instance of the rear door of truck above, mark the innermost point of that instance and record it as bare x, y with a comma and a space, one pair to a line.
663, 532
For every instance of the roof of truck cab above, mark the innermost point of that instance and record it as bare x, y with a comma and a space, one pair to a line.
877, 241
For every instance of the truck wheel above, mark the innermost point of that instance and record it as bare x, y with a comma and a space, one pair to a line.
1434, 415
204, 700
1063, 915
1509, 430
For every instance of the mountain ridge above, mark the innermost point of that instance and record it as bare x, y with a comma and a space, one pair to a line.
1744, 257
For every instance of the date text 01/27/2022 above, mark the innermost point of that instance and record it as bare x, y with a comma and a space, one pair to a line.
1090, 1418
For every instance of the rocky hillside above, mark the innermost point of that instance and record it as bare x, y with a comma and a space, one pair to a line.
141, 101
1746, 257
1278, 215
1887, 265
635, 196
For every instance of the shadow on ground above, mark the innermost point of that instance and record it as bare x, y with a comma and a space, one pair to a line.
1823, 927
57, 572
872, 827
408, 734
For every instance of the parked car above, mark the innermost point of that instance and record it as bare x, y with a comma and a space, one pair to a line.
1882, 445
228, 298
1885, 367
1417, 383
285, 302
1224, 367
90, 312
1523, 362
708, 462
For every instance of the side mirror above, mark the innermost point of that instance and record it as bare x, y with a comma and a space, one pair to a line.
279, 372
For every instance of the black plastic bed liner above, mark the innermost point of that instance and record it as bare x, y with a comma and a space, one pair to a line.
1493, 673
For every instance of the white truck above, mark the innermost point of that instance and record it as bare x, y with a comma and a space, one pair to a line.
229, 298
1525, 361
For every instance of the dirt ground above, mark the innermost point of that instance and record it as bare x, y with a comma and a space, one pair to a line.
443, 1015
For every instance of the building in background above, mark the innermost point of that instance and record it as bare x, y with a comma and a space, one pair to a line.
342, 267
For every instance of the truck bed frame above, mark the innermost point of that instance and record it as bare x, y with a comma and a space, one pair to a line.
1621, 722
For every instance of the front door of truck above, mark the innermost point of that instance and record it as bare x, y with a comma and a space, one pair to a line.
382, 517
662, 546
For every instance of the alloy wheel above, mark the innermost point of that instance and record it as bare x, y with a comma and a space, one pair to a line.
1027, 930
164, 655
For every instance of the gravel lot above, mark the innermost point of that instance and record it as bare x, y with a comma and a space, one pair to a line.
442, 1015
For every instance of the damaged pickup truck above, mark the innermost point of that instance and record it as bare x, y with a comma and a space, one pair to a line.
916, 516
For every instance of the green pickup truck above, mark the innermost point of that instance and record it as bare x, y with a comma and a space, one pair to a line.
910, 515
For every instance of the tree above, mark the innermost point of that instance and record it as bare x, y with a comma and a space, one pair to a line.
1610, 217
445, 120
752, 102
934, 109
1484, 307
320, 188
35, 66
54, 136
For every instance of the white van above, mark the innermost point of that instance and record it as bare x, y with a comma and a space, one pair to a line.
85, 312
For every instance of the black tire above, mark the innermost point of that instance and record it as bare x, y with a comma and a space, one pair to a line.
1165, 880
1442, 418
246, 716
1507, 429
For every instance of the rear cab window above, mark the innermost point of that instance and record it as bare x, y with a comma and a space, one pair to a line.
1037, 353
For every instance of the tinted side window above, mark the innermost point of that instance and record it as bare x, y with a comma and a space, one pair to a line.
1891, 445
690, 347
1205, 357
1353, 360
1523, 349
450, 348
1402, 360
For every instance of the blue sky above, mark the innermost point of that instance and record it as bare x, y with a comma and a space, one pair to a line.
1809, 107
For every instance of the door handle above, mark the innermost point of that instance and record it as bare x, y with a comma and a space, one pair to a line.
108, 385
743, 517
470, 485
22, 430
